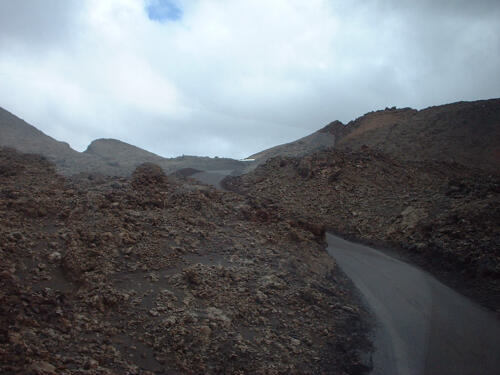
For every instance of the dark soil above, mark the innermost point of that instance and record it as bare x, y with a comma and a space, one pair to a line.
147, 275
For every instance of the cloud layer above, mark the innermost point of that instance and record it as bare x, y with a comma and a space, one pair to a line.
230, 78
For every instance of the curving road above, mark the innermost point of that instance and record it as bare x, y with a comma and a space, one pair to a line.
423, 327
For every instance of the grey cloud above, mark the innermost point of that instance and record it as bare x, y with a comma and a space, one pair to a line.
232, 79
37, 23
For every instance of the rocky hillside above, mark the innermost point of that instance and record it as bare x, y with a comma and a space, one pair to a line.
105, 156
321, 139
463, 132
24, 137
121, 153
144, 275
127, 157
444, 215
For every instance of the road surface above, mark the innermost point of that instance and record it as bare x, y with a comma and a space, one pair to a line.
423, 327
212, 177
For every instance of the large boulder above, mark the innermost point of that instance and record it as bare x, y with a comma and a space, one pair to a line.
148, 174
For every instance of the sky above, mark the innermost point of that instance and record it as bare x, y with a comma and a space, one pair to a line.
233, 77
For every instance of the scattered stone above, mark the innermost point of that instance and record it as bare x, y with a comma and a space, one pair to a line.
55, 256
443, 215
154, 312
42, 367
172, 279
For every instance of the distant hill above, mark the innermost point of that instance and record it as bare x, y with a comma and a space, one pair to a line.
106, 156
464, 132
20, 135
128, 157
318, 140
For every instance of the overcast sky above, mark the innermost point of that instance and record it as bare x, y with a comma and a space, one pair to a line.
230, 78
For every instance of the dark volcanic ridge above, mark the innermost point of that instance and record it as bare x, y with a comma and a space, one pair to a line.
465, 132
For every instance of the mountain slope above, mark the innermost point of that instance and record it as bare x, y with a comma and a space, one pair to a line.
18, 134
323, 138
127, 157
105, 156
463, 132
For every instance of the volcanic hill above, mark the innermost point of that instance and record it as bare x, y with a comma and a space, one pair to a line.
104, 156
463, 132
425, 183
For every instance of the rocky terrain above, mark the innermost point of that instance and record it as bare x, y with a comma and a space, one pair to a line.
147, 275
444, 215
326, 137
108, 266
463, 132
105, 156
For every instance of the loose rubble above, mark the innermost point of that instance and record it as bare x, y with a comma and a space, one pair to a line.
149, 276
443, 215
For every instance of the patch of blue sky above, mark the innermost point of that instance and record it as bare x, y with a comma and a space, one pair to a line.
163, 10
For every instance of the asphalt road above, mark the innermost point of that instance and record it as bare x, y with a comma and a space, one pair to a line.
212, 177
423, 327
